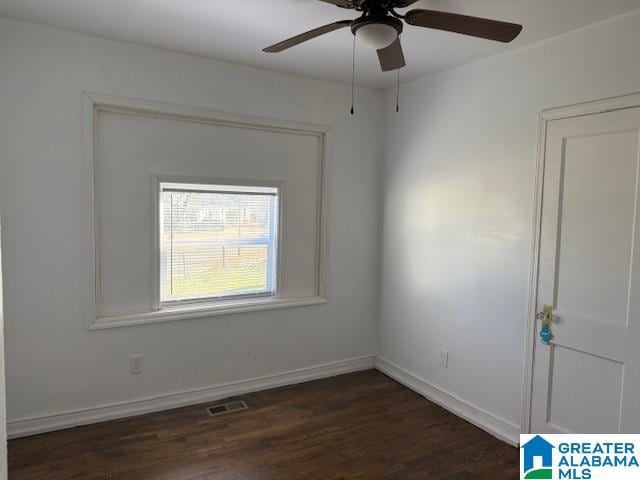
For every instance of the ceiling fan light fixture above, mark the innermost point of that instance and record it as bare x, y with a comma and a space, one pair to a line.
377, 33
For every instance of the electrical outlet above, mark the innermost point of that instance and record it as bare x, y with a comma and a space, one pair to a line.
135, 364
444, 358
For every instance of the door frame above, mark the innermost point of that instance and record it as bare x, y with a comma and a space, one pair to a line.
544, 117
3, 387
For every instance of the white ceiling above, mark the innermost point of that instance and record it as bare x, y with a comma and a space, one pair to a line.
237, 30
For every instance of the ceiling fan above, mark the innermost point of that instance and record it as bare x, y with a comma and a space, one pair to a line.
380, 26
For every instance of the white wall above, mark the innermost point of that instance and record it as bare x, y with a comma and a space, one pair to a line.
458, 207
53, 363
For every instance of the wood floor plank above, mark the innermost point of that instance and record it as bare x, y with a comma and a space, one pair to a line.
361, 426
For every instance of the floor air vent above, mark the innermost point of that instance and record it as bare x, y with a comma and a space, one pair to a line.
224, 408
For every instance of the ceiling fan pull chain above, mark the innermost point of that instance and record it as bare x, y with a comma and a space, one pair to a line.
353, 77
398, 93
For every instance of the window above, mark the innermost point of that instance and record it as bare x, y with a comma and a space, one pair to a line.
217, 242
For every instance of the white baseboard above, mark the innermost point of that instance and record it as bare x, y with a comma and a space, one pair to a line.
31, 426
498, 427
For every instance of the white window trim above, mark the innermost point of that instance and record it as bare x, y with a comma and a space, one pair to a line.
194, 310
93, 103
188, 304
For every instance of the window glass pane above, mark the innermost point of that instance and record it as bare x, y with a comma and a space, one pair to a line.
217, 243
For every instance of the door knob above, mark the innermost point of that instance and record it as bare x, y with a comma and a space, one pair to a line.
545, 331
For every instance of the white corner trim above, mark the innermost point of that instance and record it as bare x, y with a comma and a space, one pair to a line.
58, 421
498, 427
184, 312
530, 322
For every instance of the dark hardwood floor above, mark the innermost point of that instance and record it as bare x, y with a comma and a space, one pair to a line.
358, 426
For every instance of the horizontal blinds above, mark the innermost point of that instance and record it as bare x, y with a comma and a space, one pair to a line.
217, 244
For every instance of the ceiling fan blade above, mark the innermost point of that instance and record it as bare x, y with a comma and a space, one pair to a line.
474, 26
392, 57
341, 3
403, 3
303, 37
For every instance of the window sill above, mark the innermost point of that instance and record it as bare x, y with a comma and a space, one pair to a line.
184, 312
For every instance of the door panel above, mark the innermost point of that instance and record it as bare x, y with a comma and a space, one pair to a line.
596, 225
580, 403
583, 380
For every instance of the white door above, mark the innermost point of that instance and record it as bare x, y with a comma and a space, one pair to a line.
587, 380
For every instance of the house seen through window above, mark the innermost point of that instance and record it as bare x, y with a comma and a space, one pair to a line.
217, 241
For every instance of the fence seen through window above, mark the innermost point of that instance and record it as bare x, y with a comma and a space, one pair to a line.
217, 241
